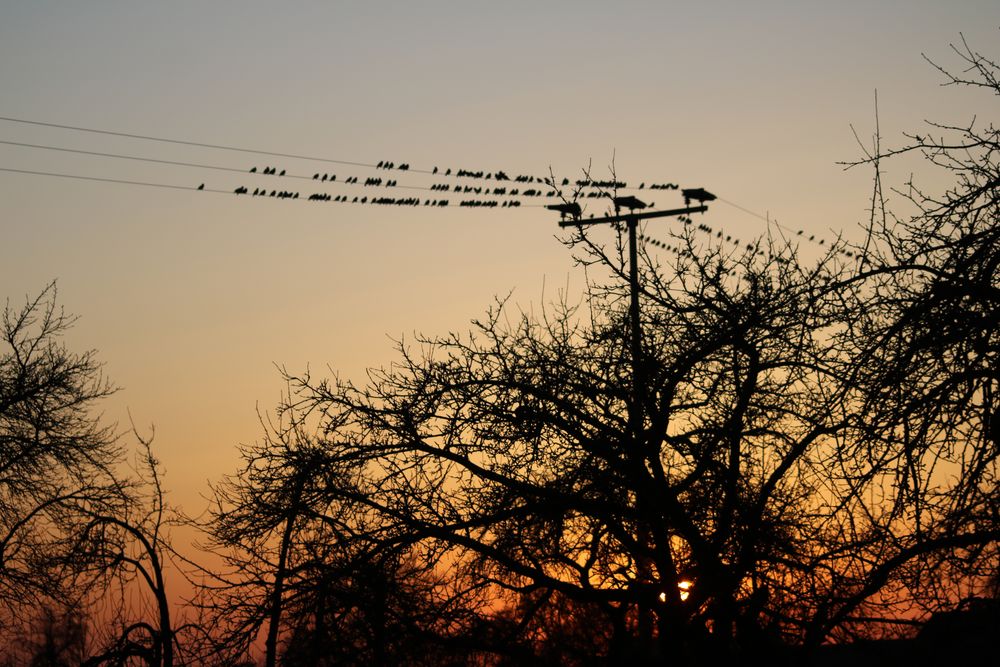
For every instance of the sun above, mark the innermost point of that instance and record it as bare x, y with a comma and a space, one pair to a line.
685, 588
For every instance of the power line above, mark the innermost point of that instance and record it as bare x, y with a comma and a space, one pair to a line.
110, 180
287, 194
446, 173
125, 157
381, 200
771, 221
455, 191
271, 172
183, 142
387, 201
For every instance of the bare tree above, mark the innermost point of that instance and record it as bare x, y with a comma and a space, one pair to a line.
296, 576
502, 462
128, 553
55, 455
795, 450
928, 364
73, 525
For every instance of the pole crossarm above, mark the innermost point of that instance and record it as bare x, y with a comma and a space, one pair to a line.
625, 217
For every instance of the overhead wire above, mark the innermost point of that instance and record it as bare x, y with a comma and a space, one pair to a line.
377, 201
443, 189
182, 142
767, 218
392, 183
446, 173
276, 194
122, 157
111, 180
284, 174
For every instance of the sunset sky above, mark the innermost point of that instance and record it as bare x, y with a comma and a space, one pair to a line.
192, 298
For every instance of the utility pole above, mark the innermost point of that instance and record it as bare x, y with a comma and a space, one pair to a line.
571, 217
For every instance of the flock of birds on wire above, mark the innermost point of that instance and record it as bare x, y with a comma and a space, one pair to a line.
502, 191
497, 196
494, 189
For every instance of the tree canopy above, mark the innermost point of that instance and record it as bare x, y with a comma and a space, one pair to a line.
816, 454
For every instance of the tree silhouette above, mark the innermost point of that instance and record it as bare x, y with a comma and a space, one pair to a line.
502, 463
294, 574
73, 525
127, 552
928, 361
55, 456
817, 452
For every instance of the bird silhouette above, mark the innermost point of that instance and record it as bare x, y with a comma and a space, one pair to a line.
201, 187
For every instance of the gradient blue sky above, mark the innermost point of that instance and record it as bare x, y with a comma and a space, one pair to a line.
192, 298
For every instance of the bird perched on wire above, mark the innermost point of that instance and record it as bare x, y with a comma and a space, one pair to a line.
700, 195
571, 209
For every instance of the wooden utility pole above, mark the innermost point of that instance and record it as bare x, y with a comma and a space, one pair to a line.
571, 218
632, 219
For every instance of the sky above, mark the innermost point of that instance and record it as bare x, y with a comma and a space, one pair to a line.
193, 299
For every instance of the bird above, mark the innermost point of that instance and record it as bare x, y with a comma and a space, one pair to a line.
571, 209
253, 170
282, 173
201, 187
698, 194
